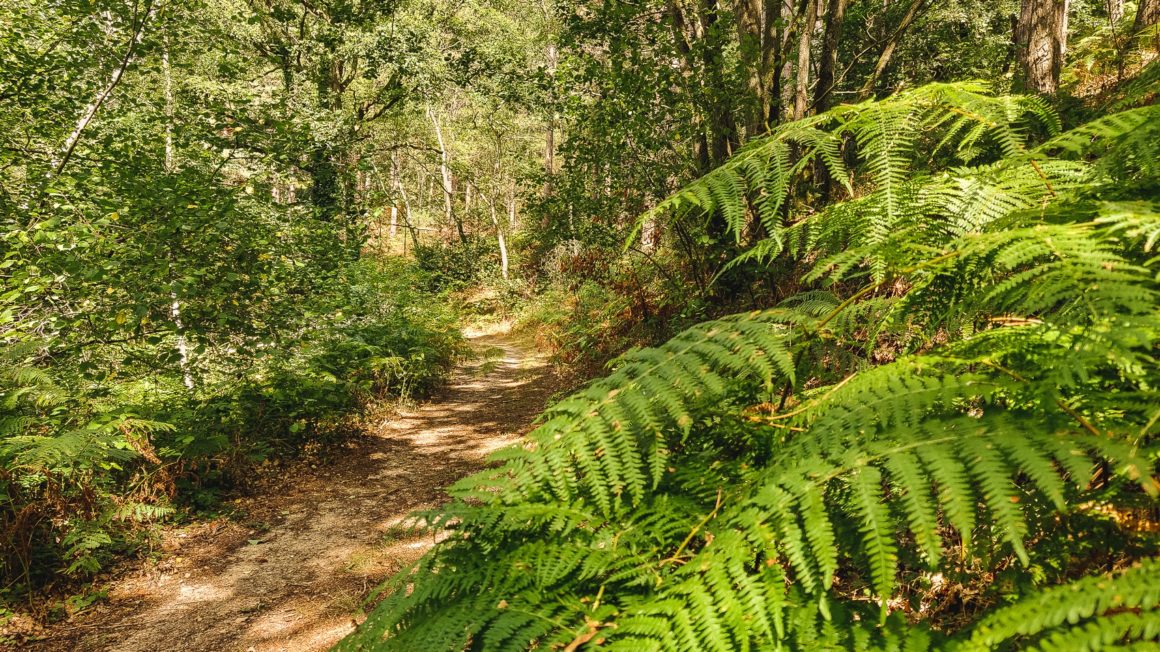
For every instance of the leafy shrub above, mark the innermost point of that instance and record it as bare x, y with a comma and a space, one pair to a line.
960, 402
83, 466
459, 264
596, 304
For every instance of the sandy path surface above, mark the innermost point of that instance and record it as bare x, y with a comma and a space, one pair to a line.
291, 575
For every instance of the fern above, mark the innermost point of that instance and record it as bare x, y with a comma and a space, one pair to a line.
887, 134
1101, 610
972, 363
608, 443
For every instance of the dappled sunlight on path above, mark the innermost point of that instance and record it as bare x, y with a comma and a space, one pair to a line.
293, 576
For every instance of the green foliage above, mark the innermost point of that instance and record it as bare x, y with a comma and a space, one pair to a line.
965, 385
1095, 612
889, 135
587, 323
82, 470
458, 265
182, 287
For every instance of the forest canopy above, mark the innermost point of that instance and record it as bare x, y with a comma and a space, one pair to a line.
860, 298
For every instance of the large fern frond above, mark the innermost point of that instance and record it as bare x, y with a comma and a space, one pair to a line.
973, 360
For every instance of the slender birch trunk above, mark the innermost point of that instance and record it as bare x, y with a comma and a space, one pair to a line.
503, 252
170, 165
445, 173
801, 93
550, 129
70, 143
499, 235
394, 204
512, 208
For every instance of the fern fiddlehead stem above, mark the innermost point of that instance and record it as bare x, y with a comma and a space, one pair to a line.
1043, 176
675, 557
585, 636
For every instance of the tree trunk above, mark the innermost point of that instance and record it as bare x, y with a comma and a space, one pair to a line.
102, 96
749, 49
702, 48
781, 67
324, 161
771, 55
801, 93
394, 204
916, 8
758, 30
1115, 9
503, 252
721, 119
829, 61
685, 32
407, 216
445, 173
499, 235
550, 129
323, 182
170, 108
1147, 14
170, 166
1040, 43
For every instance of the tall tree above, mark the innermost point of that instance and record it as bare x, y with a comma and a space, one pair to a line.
1115, 9
1040, 44
446, 177
761, 46
703, 44
141, 16
553, 57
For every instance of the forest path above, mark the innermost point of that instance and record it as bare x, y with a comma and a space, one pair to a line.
292, 576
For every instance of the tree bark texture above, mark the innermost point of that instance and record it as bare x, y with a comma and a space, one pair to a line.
445, 173
801, 90
1115, 9
828, 64
1147, 14
1040, 44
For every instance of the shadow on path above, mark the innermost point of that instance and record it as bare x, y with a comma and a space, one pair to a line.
292, 578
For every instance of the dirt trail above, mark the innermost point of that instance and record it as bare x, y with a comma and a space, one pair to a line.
292, 577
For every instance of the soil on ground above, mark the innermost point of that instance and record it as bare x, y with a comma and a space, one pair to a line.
292, 573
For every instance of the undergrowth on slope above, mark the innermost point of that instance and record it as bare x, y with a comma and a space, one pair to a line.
94, 452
